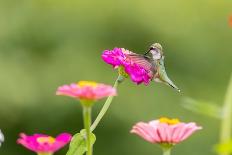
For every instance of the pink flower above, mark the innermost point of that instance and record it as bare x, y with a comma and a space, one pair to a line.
114, 57
138, 74
87, 91
40, 143
130, 62
165, 131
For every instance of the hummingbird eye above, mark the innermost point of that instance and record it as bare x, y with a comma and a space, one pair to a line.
152, 48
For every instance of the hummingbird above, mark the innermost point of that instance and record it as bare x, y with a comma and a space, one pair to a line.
153, 62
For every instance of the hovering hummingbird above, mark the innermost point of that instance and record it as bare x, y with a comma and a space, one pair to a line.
153, 61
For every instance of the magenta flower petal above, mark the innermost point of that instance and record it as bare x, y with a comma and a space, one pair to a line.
114, 57
40, 143
164, 130
138, 74
121, 57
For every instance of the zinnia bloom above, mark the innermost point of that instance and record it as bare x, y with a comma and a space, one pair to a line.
1, 137
44, 144
87, 91
119, 57
165, 131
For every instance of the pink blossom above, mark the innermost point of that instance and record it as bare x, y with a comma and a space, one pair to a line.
164, 130
40, 143
121, 57
86, 90
138, 74
114, 57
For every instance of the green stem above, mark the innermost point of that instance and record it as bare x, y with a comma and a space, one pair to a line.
44, 153
106, 105
87, 123
226, 124
167, 151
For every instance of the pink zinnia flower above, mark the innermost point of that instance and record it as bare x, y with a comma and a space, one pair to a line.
87, 91
138, 74
40, 143
165, 131
114, 57
121, 57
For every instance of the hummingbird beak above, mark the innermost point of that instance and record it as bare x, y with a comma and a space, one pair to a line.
164, 77
147, 52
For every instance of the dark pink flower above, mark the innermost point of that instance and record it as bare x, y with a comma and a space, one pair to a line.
165, 131
40, 143
122, 57
138, 74
87, 90
114, 57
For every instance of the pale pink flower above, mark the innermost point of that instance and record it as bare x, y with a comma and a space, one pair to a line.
41, 143
165, 131
87, 91
122, 57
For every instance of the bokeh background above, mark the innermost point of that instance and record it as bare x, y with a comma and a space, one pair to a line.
48, 43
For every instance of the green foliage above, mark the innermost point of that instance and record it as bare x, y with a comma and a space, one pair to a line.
225, 114
224, 148
203, 107
226, 125
78, 144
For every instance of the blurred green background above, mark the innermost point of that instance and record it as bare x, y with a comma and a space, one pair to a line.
48, 43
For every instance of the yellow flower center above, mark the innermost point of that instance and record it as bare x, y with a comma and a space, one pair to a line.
122, 72
87, 83
49, 140
169, 121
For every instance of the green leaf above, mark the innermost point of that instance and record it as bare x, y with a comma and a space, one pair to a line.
224, 148
78, 143
202, 107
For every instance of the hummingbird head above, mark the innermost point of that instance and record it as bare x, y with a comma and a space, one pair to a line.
156, 51
156, 46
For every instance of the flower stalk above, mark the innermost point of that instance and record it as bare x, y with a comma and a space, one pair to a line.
45, 153
106, 105
166, 151
225, 134
87, 124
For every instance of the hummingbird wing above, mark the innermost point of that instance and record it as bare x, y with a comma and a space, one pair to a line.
142, 61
